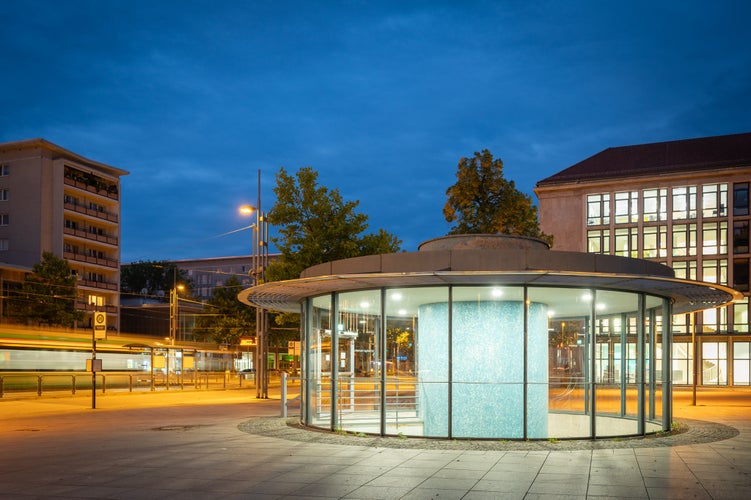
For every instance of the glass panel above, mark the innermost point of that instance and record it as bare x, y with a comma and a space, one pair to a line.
740, 316
319, 362
714, 363
359, 368
617, 397
417, 401
741, 363
740, 199
568, 369
740, 236
740, 274
682, 359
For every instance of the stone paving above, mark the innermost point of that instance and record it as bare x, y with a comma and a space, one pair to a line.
226, 444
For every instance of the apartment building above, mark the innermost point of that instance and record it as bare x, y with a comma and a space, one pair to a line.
52, 199
682, 203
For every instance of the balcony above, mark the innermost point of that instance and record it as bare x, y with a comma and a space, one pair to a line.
88, 259
83, 306
106, 216
98, 188
100, 238
101, 285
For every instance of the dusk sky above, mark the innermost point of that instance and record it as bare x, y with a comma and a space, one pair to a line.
381, 98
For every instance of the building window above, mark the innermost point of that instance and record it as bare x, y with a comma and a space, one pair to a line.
715, 320
740, 274
740, 236
598, 209
4, 170
4, 219
715, 271
4, 244
96, 300
598, 241
714, 238
741, 363
740, 316
685, 269
714, 200
626, 242
3, 195
684, 240
683, 355
654, 205
684, 203
654, 241
626, 207
714, 363
740, 198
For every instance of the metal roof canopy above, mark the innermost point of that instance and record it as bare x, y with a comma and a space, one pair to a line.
503, 267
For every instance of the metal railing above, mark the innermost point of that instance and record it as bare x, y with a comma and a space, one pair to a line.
30, 384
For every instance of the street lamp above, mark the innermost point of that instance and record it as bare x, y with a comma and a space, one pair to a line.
259, 260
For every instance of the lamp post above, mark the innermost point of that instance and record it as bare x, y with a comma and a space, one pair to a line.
259, 260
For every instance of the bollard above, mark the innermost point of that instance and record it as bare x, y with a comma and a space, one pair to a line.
284, 394
39, 385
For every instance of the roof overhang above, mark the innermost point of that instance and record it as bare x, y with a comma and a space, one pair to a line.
685, 295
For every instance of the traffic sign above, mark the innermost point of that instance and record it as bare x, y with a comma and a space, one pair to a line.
100, 325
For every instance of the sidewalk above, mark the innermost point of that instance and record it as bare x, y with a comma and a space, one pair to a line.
227, 444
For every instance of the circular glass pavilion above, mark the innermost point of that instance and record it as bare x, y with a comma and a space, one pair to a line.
487, 336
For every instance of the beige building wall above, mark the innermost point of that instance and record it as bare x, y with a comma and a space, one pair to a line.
52, 199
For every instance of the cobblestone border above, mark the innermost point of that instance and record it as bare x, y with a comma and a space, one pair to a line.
689, 432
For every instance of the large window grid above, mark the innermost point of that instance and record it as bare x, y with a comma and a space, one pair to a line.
598, 241
598, 209
626, 207
714, 370
626, 242
654, 242
714, 238
684, 202
715, 271
685, 269
655, 205
714, 200
684, 240
714, 320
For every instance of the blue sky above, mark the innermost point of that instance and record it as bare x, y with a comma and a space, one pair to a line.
381, 98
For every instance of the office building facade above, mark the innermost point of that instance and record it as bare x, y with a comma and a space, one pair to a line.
681, 203
54, 200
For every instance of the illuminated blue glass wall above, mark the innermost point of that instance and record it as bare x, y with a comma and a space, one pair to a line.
487, 370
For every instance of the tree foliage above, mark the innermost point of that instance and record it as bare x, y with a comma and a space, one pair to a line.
226, 319
153, 278
316, 225
483, 201
47, 295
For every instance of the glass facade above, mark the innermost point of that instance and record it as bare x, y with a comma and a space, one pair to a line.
701, 232
486, 361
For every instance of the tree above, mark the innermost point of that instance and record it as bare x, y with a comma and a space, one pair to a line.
483, 201
154, 278
48, 294
226, 318
315, 226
